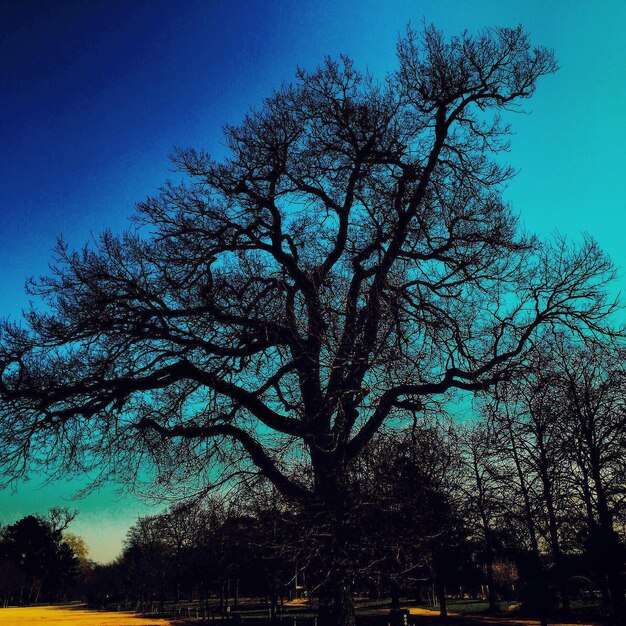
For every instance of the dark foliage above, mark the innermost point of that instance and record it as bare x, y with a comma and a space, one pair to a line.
36, 564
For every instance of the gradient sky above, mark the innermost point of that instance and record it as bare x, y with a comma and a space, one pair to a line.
94, 95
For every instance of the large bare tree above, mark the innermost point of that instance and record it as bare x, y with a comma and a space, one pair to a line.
348, 260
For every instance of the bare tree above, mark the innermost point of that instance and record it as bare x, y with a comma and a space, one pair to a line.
350, 259
406, 520
593, 381
528, 413
60, 517
564, 421
483, 493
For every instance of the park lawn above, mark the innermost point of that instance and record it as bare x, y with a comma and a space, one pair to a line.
70, 616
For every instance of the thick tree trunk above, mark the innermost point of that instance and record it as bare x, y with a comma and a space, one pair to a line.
336, 607
331, 512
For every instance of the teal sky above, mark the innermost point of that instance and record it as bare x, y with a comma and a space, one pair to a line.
93, 96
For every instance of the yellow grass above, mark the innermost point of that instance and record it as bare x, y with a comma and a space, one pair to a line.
427, 612
297, 602
69, 616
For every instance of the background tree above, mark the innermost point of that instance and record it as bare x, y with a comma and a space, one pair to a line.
405, 522
592, 382
560, 427
533, 450
483, 496
350, 259
36, 562
281, 544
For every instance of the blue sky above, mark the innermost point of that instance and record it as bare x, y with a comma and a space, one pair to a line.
94, 95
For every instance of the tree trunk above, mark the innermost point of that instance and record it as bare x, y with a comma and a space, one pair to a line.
272, 600
558, 555
336, 607
610, 547
609, 539
395, 594
553, 526
489, 547
441, 593
540, 573
331, 511
492, 596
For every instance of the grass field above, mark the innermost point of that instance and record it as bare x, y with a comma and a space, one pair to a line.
72, 616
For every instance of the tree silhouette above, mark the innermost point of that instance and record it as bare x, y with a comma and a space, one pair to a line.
43, 562
348, 260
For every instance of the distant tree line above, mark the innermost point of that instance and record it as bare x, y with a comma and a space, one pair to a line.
549, 461
407, 536
525, 502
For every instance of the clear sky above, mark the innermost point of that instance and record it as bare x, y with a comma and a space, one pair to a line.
94, 95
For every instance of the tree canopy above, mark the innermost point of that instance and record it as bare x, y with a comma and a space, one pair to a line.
348, 261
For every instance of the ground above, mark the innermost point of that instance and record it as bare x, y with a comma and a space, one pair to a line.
77, 615
455, 619
70, 616
428, 617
